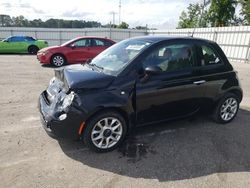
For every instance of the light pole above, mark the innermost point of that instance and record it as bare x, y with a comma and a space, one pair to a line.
120, 7
113, 15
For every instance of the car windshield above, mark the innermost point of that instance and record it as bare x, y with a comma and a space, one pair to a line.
7, 39
68, 42
114, 60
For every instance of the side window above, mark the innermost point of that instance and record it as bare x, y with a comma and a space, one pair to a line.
17, 39
82, 43
96, 42
29, 39
107, 43
209, 56
12, 39
171, 57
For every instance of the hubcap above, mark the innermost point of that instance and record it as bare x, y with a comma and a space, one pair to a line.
58, 61
106, 133
229, 109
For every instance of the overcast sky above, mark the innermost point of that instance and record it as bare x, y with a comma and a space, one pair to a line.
161, 14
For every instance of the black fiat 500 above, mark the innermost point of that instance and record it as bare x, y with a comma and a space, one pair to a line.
137, 82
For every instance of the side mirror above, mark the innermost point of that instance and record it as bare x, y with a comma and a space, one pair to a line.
73, 46
153, 70
88, 61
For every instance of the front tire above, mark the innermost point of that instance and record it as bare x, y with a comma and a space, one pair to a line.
226, 109
58, 60
105, 131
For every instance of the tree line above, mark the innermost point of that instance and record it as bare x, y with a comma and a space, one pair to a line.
21, 21
220, 13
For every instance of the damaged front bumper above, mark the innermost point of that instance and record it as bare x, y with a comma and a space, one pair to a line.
59, 118
66, 128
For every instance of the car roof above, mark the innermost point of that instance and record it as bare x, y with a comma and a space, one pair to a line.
159, 38
90, 37
21, 36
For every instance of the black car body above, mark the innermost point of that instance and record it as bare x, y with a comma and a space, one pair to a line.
146, 89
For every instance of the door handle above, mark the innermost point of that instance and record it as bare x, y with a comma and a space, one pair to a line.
200, 82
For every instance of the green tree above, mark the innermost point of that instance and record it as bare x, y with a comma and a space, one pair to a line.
141, 27
222, 12
5, 20
36, 23
123, 25
20, 21
245, 11
191, 17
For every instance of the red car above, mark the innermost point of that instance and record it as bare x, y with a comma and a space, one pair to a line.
78, 50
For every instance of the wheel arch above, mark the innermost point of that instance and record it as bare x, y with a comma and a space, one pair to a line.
237, 92
118, 110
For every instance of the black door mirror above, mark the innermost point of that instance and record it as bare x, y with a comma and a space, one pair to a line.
153, 70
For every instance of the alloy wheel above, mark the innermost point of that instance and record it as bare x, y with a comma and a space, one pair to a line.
58, 60
229, 109
106, 133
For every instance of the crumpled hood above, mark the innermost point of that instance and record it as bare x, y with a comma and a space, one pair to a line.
83, 77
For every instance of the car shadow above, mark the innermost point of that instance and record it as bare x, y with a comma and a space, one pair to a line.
47, 66
54, 67
175, 151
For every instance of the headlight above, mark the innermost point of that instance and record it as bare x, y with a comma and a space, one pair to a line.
52, 80
45, 52
67, 101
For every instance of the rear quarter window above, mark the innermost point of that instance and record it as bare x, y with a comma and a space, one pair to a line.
29, 39
209, 56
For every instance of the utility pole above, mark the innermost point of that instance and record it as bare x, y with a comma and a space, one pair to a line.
113, 15
120, 7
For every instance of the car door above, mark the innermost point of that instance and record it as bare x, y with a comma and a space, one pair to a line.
79, 51
15, 44
25, 42
175, 91
98, 45
212, 70
9, 45
4, 46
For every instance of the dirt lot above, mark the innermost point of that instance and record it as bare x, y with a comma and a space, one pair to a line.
189, 153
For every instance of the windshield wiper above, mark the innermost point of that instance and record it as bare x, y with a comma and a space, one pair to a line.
97, 66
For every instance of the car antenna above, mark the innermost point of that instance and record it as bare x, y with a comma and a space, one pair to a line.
192, 35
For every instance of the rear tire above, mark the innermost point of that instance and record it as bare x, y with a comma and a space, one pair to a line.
58, 60
105, 131
226, 109
33, 49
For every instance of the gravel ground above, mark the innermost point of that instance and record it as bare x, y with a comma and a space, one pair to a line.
188, 153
